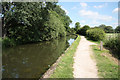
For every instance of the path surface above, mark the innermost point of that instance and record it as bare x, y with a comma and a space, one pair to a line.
84, 66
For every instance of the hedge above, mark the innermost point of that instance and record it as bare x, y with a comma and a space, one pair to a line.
113, 44
95, 34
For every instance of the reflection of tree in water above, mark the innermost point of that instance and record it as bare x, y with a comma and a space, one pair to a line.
68, 38
31, 60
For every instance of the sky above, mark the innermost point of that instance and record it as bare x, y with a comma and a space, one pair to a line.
92, 13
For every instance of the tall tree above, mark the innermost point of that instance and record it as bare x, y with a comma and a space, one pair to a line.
107, 29
65, 18
36, 21
117, 29
77, 26
83, 30
102, 26
53, 28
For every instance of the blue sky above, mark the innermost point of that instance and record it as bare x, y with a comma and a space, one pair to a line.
92, 13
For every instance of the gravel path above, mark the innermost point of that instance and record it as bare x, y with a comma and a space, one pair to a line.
84, 66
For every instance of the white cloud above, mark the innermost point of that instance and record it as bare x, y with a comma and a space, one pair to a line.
66, 11
94, 22
94, 15
116, 10
82, 21
83, 4
74, 7
100, 6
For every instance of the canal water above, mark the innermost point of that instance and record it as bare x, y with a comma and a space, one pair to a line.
33, 60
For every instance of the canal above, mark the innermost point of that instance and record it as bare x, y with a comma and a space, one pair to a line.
33, 60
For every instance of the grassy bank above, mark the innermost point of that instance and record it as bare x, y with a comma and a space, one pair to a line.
107, 67
65, 66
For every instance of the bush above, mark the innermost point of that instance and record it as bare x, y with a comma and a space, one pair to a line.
83, 30
95, 34
113, 44
7, 42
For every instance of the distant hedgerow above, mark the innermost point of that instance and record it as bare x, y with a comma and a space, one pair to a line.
95, 34
113, 44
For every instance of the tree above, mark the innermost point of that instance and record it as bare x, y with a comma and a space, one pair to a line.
107, 29
31, 22
77, 26
21, 20
65, 18
117, 29
102, 26
6, 16
72, 31
53, 28
83, 30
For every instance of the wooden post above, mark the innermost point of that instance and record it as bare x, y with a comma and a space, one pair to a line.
101, 45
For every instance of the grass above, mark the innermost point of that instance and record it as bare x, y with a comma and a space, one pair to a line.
65, 66
97, 42
111, 35
107, 68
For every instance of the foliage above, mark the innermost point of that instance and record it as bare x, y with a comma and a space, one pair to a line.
53, 27
83, 30
66, 63
36, 21
102, 26
73, 31
107, 29
65, 18
117, 29
6, 42
95, 34
77, 26
113, 43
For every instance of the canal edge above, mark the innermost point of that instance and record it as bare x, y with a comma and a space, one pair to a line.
50, 71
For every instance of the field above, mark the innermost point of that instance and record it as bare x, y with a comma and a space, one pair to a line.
110, 35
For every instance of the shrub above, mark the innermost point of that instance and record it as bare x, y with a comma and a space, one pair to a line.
113, 44
83, 30
7, 42
95, 34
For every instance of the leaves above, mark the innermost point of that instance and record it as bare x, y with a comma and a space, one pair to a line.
36, 21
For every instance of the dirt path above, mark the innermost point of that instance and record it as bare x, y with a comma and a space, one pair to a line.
84, 66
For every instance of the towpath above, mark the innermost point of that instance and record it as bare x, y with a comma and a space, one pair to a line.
84, 66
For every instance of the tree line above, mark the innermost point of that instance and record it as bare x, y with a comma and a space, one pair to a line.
98, 34
82, 30
33, 21
38, 21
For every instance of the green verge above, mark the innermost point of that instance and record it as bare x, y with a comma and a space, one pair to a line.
107, 68
64, 68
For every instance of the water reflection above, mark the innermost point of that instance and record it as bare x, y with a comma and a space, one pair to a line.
32, 60
71, 41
